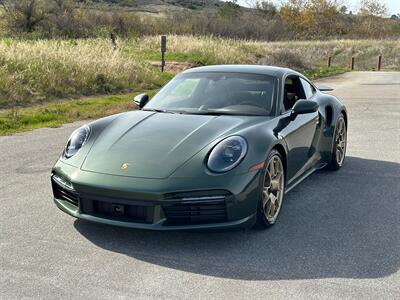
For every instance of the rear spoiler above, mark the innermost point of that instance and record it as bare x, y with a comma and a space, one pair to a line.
323, 88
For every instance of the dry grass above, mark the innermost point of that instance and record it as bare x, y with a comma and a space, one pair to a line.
366, 52
38, 71
208, 49
313, 53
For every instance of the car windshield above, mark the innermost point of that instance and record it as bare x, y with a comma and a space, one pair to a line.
216, 93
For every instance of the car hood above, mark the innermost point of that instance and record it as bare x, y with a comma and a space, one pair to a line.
154, 145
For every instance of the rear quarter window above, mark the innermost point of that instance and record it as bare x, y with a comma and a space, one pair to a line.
309, 90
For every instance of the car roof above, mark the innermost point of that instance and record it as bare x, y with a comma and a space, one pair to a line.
252, 69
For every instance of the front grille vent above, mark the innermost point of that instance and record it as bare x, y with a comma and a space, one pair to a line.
211, 210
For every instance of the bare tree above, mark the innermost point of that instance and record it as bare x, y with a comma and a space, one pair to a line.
24, 15
268, 8
373, 8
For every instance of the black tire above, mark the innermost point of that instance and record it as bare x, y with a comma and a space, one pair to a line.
262, 221
336, 161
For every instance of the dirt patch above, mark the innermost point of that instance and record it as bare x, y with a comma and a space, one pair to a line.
174, 66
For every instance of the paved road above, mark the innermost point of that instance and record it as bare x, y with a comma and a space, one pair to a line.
338, 235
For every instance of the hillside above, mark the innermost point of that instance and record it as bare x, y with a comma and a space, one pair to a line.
155, 5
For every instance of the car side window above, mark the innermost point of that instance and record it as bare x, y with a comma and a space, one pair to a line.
309, 90
293, 91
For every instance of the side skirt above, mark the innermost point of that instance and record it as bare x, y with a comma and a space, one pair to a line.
304, 176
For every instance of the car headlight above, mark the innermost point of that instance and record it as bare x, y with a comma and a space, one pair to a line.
76, 141
227, 154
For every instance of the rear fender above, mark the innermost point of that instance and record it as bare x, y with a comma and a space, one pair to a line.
329, 108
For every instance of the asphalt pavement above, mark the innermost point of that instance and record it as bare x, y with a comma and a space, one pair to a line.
338, 236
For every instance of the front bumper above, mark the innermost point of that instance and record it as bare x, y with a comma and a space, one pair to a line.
170, 204
69, 209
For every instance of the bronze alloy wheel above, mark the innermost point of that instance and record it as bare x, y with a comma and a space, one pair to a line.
339, 145
340, 141
273, 189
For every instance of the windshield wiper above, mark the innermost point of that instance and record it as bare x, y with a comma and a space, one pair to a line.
219, 113
159, 110
211, 112
201, 112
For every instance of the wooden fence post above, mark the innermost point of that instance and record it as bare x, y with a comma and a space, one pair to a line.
163, 50
113, 41
379, 62
329, 61
352, 63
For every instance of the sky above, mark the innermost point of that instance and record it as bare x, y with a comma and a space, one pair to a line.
353, 5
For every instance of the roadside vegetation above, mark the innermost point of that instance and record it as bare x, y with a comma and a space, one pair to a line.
56, 113
294, 19
40, 79
35, 72
57, 64
40, 71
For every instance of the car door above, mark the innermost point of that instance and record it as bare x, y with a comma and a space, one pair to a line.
300, 132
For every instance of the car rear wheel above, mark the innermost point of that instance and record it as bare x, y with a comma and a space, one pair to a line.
339, 144
272, 191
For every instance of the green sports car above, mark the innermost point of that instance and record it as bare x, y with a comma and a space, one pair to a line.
217, 147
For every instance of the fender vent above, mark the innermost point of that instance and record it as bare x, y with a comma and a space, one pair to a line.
328, 115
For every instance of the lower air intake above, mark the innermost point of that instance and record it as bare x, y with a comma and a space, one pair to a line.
196, 211
64, 193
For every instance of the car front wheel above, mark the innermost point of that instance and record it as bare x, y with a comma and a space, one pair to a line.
272, 191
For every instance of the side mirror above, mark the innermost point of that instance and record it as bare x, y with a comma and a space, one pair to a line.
324, 88
141, 100
304, 107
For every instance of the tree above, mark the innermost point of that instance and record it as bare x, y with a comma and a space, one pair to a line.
312, 18
343, 9
230, 9
372, 23
24, 15
267, 8
373, 8
62, 19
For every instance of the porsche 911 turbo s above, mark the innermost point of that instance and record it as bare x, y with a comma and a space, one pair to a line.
216, 147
